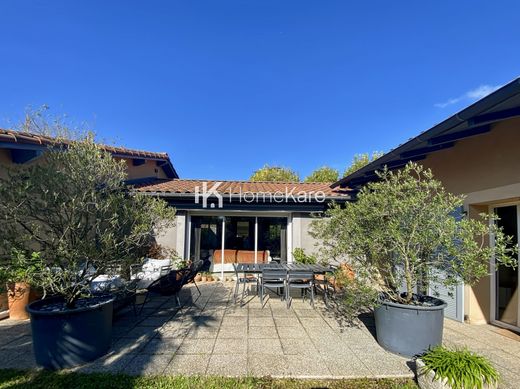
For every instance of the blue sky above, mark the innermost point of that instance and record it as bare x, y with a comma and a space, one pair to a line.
226, 86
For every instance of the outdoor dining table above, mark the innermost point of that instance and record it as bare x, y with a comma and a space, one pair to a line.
256, 268
316, 269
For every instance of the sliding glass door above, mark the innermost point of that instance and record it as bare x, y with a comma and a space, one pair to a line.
272, 236
205, 236
506, 278
224, 240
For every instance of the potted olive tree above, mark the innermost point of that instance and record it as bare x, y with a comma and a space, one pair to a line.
403, 237
75, 210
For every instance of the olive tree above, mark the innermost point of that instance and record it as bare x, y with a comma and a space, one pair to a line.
74, 209
404, 232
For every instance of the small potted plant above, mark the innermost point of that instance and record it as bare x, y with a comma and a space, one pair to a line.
198, 277
442, 368
16, 274
406, 232
77, 212
204, 276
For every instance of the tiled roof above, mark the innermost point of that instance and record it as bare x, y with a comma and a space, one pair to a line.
186, 186
11, 136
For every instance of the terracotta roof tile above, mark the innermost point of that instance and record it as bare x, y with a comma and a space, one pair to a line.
186, 186
12, 136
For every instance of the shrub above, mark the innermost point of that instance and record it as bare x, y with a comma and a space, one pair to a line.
300, 256
76, 211
462, 368
403, 230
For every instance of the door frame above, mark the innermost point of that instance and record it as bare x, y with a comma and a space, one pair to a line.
493, 275
256, 215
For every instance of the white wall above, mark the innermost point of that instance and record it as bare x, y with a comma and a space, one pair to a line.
174, 237
300, 234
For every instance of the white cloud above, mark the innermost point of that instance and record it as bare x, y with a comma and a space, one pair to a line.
471, 95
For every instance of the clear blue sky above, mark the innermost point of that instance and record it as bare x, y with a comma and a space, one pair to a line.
226, 86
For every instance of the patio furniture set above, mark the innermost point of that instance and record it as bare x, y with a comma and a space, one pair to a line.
282, 278
155, 276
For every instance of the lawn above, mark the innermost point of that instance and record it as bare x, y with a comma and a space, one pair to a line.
32, 380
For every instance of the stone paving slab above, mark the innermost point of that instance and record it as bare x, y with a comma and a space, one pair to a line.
211, 335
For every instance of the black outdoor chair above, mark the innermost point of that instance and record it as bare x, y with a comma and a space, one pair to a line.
168, 285
302, 280
272, 278
125, 296
194, 269
244, 280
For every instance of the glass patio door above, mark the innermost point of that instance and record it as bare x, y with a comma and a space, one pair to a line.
506, 278
227, 239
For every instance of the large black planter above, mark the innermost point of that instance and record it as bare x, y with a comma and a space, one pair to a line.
63, 339
409, 330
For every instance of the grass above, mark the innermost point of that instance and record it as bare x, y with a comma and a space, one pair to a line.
14, 379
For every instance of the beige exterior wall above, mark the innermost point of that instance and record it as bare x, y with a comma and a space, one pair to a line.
486, 168
148, 169
5, 161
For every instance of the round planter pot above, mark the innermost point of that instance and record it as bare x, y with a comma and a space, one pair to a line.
409, 330
19, 296
426, 380
68, 338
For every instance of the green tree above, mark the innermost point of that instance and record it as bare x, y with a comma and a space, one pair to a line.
403, 230
361, 160
275, 174
76, 212
323, 174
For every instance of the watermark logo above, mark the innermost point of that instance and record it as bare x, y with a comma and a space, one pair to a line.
213, 191
289, 195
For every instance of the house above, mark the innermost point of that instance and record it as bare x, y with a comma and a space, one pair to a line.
475, 153
21, 148
222, 222
242, 221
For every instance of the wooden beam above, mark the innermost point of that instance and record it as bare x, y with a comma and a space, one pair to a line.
426, 150
495, 116
460, 134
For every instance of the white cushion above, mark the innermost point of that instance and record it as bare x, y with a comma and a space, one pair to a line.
152, 264
104, 282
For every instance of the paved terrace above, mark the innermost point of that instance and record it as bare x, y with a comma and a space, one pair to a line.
210, 335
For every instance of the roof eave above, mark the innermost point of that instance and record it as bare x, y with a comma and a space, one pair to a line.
486, 103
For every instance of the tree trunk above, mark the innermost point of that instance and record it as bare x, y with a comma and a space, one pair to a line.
408, 278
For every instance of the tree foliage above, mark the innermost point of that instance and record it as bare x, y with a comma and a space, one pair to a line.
323, 174
275, 174
76, 212
361, 160
404, 230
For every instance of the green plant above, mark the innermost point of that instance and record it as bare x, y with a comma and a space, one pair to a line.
404, 230
323, 174
461, 368
20, 267
361, 160
76, 211
275, 174
300, 256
